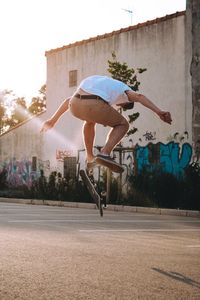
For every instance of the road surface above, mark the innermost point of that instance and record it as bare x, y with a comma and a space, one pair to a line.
62, 253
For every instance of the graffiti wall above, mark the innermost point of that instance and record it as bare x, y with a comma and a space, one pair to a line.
23, 172
19, 172
172, 157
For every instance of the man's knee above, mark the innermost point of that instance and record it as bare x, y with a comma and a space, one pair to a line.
125, 124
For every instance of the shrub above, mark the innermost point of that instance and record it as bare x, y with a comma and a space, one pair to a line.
165, 190
192, 187
3, 179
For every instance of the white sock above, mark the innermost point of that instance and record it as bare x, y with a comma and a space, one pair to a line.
106, 155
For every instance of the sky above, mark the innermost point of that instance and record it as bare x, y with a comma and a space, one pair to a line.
28, 28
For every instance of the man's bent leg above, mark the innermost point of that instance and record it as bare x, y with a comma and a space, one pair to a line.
89, 135
97, 111
114, 137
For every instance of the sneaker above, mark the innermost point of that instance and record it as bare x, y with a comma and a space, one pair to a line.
107, 161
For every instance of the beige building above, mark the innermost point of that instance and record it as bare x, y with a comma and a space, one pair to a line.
160, 45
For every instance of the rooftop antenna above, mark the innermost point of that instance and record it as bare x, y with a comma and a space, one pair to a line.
130, 12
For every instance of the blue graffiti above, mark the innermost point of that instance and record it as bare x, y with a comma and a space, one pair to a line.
173, 159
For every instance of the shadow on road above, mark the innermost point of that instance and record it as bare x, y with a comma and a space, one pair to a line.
179, 277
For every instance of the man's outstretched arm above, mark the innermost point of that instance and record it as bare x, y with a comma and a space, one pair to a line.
48, 124
135, 97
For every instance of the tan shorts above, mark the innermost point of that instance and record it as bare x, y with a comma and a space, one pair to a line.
96, 111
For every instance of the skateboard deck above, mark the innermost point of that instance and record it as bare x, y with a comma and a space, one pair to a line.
91, 189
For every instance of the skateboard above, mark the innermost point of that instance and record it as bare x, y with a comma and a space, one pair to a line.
88, 180
99, 197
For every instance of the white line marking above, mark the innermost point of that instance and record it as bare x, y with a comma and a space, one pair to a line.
193, 246
43, 221
100, 220
138, 230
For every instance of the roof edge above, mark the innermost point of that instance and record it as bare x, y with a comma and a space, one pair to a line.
22, 123
133, 27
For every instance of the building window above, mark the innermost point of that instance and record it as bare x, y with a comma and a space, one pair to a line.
70, 167
72, 78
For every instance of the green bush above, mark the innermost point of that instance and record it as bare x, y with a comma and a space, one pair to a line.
164, 190
192, 187
149, 188
3, 179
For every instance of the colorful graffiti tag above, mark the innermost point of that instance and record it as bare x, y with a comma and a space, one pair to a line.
20, 172
171, 157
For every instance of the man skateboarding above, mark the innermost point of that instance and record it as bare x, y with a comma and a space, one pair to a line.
93, 103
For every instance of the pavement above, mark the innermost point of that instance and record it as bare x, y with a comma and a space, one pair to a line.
122, 208
58, 253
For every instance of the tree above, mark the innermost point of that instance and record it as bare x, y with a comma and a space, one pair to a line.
19, 112
4, 108
43, 91
13, 110
122, 72
38, 104
2, 116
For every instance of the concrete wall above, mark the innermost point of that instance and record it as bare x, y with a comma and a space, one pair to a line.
193, 31
159, 47
22, 152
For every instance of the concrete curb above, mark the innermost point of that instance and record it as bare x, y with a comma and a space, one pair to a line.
111, 207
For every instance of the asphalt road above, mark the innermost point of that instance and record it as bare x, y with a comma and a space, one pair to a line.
62, 253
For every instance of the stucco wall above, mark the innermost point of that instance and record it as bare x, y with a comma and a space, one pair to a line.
24, 137
193, 9
22, 152
159, 47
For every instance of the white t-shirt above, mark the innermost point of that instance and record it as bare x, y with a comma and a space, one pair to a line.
111, 90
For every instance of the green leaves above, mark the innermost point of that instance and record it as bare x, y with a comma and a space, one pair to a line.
14, 110
133, 117
132, 131
122, 72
